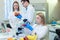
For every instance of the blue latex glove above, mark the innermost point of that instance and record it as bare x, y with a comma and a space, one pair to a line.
19, 16
29, 27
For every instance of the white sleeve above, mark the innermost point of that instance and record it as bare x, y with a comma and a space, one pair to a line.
10, 20
13, 21
42, 32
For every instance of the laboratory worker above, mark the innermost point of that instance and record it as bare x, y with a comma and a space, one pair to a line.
40, 28
27, 10
13, 19
27, 13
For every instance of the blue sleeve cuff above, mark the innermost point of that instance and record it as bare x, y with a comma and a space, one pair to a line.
29, 27
19, 16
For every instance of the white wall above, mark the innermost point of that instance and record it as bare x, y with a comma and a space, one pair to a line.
1, 9
54, 9
38, 1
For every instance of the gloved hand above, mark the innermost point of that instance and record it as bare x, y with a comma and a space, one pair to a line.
28, 26
17, 14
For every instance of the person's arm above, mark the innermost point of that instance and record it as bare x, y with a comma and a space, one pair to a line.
42, 32
10, 20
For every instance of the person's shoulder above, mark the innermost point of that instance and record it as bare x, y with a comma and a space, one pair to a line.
46, 27
31, 6
34, 25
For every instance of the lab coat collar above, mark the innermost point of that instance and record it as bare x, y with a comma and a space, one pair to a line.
28, 6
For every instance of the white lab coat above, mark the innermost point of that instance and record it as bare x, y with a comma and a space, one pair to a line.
14, 22
29, 13
40, 31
